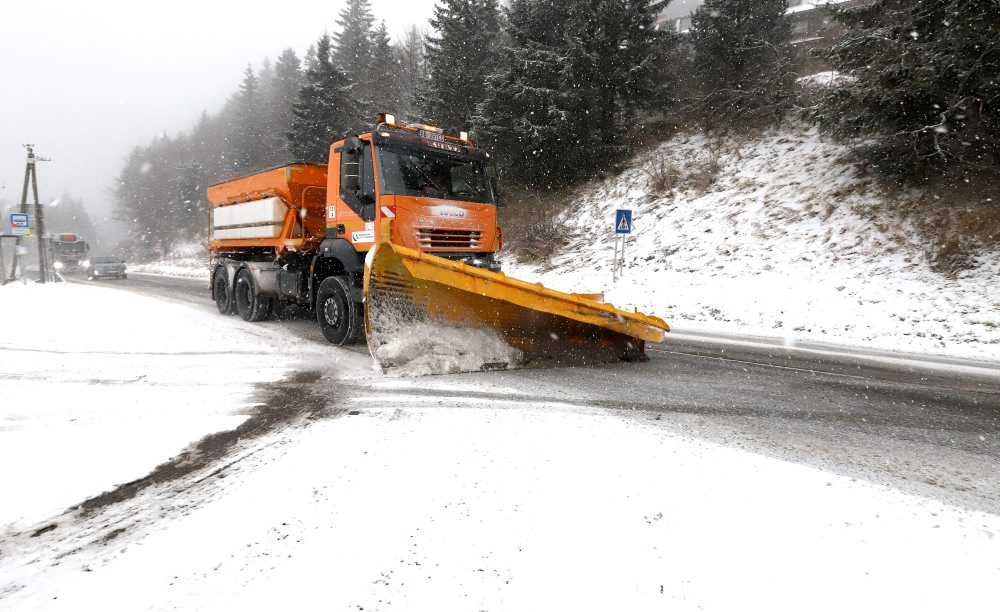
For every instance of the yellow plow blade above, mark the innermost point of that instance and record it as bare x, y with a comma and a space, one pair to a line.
406, 289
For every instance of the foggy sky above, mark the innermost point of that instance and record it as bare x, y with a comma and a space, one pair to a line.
87, 81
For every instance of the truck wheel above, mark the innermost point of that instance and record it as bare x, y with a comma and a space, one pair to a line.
251, 305
341, 319
221, 293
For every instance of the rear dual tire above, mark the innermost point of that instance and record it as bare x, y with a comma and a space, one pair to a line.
250, 303
220, 292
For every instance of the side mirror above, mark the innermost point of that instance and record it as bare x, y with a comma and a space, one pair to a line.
494, 177
352, 145
351, 161
352, 175
497, 195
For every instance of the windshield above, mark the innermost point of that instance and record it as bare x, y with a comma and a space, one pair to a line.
413, 172
106, 260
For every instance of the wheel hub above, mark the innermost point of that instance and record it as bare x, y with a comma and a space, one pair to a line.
331, 311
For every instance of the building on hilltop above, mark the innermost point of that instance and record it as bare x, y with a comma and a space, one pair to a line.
811, 23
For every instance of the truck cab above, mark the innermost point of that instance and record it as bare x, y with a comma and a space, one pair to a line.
436, 189
70, 252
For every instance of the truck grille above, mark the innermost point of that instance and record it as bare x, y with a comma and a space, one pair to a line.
445, 238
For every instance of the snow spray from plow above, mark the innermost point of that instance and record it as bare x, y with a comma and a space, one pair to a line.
415, 296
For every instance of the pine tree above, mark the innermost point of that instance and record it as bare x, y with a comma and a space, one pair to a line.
615, 66
384, 83
207, 146
145, 200
412, 70
279, 100
265, 76
245, 142
523, 117
310, 57
323, 111
460, 55
742, 61
922, 86
353, 46
572, 75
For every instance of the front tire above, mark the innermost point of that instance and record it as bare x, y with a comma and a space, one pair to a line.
341, 319
251, 305
221, 293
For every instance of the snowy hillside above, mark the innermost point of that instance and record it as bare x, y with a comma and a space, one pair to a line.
189, 260
776, 236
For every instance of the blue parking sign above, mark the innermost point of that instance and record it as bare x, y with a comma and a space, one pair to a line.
623, 221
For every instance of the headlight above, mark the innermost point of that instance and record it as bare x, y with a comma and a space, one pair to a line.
58, 265
85, 263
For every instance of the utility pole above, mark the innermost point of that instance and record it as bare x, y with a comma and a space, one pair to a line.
30, 176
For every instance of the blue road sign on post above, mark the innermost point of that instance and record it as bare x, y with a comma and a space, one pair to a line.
623, 221
20, 224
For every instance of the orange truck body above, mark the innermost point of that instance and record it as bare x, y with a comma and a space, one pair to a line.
315, 203
298, 234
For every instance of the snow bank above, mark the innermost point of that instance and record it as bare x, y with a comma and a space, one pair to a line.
99, 386
777, 236
826, 78
187, 260
462, 502
182, 268
807, 5
425, 349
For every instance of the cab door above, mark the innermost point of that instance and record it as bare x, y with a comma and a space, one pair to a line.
354, 210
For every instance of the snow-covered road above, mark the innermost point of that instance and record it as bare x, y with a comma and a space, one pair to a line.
525, 490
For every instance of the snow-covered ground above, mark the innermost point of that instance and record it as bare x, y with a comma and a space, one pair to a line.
411, 494
775, 236
188, 260
100, 386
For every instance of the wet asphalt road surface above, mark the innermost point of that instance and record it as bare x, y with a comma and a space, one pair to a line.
927, 426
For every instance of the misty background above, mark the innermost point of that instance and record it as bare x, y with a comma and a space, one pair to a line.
87, 82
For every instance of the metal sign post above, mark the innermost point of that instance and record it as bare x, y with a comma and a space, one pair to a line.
30, 177
623, 227
20, 253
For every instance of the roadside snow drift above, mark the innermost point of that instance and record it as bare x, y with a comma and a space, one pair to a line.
188, 260
99, 386
777, 236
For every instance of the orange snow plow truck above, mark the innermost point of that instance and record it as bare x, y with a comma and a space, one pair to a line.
397, 233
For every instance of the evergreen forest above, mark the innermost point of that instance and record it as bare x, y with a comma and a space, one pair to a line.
561, 91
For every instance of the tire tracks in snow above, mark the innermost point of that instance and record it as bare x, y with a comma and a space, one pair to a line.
98, 521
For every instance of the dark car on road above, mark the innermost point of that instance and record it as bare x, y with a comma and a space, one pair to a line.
105, 267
